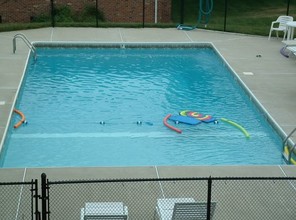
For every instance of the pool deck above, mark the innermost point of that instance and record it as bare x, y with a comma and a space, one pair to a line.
272, 82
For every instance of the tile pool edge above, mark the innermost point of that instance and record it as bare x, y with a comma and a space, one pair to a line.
2, 141
122, 44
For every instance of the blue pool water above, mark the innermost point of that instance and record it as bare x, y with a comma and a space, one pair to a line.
83, 108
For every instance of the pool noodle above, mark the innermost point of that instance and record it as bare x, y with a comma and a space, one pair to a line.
287, 152
23, 118
169, 126
237, 126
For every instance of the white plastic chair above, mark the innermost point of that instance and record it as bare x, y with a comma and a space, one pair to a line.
104, 210
182, 208
280, 25
291, 49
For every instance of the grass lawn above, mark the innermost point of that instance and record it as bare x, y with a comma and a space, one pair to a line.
243, 16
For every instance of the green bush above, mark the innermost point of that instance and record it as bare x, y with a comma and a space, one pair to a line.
63, 14
41, 18
90, 13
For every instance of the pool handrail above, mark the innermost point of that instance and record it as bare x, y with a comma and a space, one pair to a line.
26, 41
287, 138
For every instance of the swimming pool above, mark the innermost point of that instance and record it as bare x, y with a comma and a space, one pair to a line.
90, 106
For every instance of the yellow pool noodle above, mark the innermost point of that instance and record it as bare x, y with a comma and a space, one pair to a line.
287, 152
238, 126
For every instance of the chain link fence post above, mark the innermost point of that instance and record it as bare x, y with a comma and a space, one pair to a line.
209, 199
44, 197
52, 13
97, 14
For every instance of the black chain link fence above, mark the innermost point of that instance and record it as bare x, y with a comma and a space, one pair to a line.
174, 198
244, 16
19, 201
229, 198
254, 198
138, 197
87, 13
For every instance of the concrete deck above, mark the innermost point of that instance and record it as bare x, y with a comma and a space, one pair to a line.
272, 83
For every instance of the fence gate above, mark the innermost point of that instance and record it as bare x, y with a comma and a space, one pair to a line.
19, 200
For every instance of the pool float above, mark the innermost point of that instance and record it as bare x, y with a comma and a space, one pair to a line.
237, 126
184, 113
185, 120
23, 118
204, 118
170, 126
197, 115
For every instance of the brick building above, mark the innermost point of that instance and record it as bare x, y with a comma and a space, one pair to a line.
125, 11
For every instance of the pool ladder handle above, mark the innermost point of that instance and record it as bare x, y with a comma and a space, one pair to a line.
291, 150
26, 41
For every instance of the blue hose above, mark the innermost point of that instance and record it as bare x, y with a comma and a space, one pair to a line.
202, 13
205, 13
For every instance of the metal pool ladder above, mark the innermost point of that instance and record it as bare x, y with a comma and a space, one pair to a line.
287, 152
27, 42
